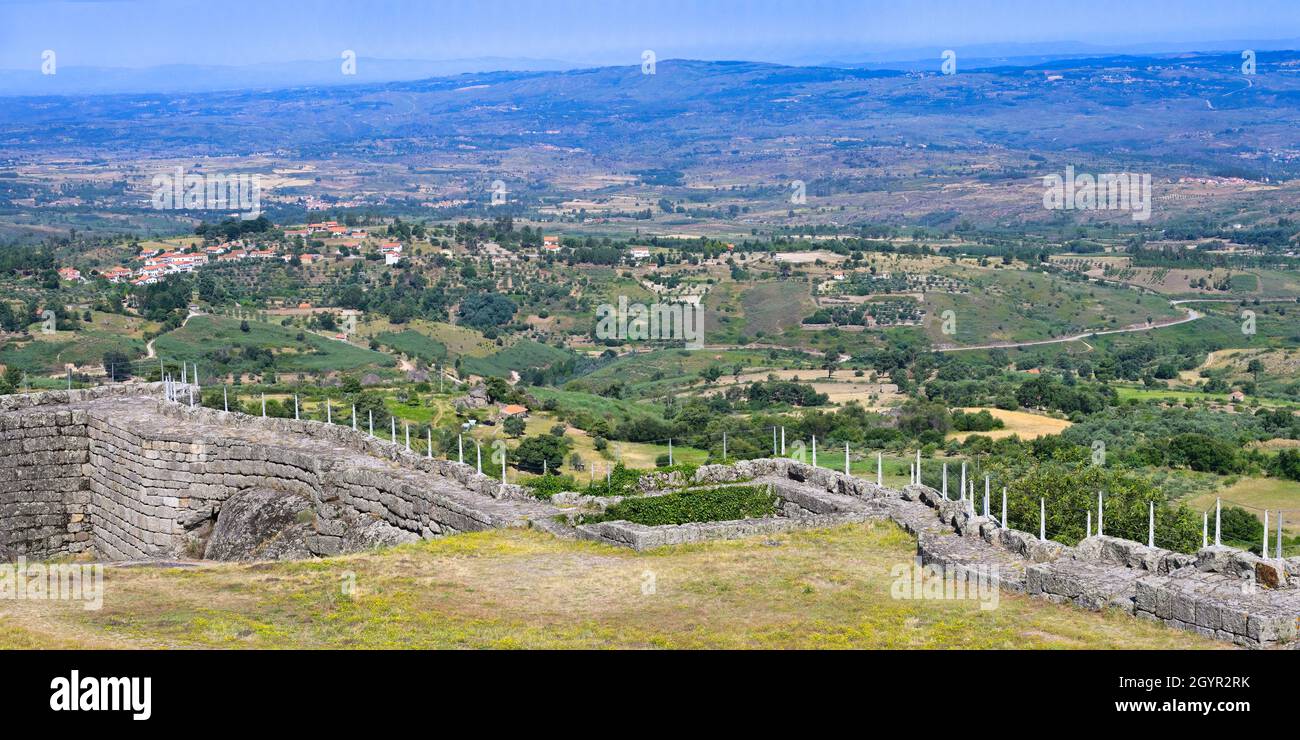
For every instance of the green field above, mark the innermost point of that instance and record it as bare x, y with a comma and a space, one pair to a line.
207, 339
669, 370
1022, 306
519, 356
85, 348
414, 344
611, 409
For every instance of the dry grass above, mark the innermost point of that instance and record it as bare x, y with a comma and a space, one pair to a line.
1274, 494
1023, 423
522, 589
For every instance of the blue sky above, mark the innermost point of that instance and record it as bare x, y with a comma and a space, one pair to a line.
237, 32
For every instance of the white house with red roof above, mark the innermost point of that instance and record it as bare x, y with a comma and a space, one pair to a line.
116, 274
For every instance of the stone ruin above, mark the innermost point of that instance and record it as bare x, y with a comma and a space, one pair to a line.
117, 473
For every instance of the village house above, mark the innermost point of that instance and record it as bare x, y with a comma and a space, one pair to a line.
514, 409
116, 274
392, 252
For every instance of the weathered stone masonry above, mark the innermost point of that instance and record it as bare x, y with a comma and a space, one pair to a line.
127, 476
117, 473
1219, 592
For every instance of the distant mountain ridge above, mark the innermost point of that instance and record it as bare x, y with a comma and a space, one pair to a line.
91, 80
179, 78
706, 117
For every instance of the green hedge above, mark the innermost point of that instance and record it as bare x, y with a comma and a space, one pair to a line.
712, 505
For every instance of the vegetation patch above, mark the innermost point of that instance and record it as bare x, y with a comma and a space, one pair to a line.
709, 505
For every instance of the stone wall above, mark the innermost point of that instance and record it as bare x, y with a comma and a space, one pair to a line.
45, 499
125, 475
118, 473
1219, 592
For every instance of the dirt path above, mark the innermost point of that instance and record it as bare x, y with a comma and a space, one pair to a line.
1192, 315
149, 351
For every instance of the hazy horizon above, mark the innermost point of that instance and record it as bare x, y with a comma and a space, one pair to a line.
149, 33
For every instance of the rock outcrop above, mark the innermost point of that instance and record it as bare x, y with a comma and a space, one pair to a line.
265, 524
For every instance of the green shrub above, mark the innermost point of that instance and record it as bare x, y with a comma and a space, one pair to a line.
712, 505
546, 486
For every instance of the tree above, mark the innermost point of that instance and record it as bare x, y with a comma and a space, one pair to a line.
1241, 527
1070, 489
486, 310
117, 366
917, 417
1203, 453
1255, 367
10, 380
546, 449
514, 425
711, 374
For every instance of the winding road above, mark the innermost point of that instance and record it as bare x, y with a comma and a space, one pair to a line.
1192, 315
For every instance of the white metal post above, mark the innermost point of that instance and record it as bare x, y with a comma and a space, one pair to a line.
1264, 550
1151, 524
1218, 511
1042, 519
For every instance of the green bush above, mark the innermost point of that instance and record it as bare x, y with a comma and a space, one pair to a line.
546, 486
712, 505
